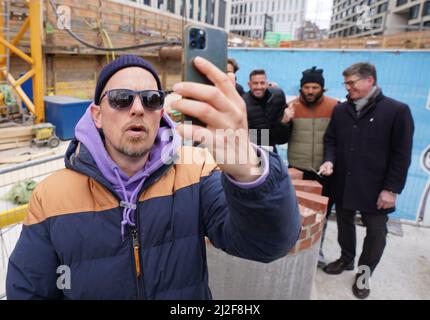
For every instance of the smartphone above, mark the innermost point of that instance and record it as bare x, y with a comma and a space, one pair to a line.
206, 42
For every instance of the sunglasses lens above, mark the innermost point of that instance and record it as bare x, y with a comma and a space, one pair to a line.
153, 100
120, 99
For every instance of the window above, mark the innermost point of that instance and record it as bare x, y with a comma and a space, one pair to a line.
426, 9
401, 2
383, 7
377, 23
414, 12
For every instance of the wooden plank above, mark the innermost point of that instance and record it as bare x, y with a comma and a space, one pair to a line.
15, 132
26, 157
6, 146
15, 139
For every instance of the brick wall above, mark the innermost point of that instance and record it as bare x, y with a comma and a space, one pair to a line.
312, 207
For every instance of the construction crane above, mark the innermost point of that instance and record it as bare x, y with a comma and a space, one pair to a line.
33, 23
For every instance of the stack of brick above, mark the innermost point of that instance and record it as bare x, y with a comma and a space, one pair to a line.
312, 207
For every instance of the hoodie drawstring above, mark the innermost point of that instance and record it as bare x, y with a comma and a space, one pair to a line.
129, 205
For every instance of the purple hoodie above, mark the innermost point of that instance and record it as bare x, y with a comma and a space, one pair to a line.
163, 152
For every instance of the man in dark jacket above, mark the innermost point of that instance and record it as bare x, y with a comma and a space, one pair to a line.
128, 217
265, 109
367, 147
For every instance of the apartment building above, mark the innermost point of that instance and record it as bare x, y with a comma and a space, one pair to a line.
354, 18
252, 18
212, 12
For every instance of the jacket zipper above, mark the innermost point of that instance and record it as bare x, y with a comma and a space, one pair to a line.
136, 247
136, 255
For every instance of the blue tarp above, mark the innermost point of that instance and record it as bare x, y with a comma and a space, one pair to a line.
402, 75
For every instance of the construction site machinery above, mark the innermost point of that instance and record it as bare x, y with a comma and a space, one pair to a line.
44, 134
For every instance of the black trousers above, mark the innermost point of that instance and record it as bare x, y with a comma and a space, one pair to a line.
374, 242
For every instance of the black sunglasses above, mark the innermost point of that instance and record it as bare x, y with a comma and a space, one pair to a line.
120, 99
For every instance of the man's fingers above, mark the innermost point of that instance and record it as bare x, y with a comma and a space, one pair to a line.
200, 110
217, 77
232, 77
196, 134
202, 92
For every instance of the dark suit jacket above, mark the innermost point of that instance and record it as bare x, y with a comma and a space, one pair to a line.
370, 153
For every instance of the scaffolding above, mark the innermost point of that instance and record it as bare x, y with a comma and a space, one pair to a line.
33, 23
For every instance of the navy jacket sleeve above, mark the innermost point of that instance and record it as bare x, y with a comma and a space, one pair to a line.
32, 269
330, 140
261, 224
400, 150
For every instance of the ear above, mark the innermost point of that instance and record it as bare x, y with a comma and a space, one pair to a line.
96, 114
249, 84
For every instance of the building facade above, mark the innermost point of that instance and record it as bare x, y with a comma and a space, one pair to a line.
211, 12
310, 31
355, 18
252, 18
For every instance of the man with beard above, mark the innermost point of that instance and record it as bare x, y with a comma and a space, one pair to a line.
128, 217
266, 107
309, 116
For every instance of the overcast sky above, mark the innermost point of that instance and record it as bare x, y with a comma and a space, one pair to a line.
319, 11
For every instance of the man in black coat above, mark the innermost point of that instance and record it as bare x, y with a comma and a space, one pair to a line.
367, 148
266, 110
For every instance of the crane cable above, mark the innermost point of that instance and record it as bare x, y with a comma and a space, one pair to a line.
138, 46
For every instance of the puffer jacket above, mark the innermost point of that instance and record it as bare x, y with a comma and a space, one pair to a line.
75, 217
266, 114
305, 145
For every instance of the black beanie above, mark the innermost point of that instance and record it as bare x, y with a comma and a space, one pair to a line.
122, 62
312, 75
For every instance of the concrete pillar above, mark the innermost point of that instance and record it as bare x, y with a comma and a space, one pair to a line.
178, 7
216, 12
289, 278
203, 11
195, 10
228, 16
